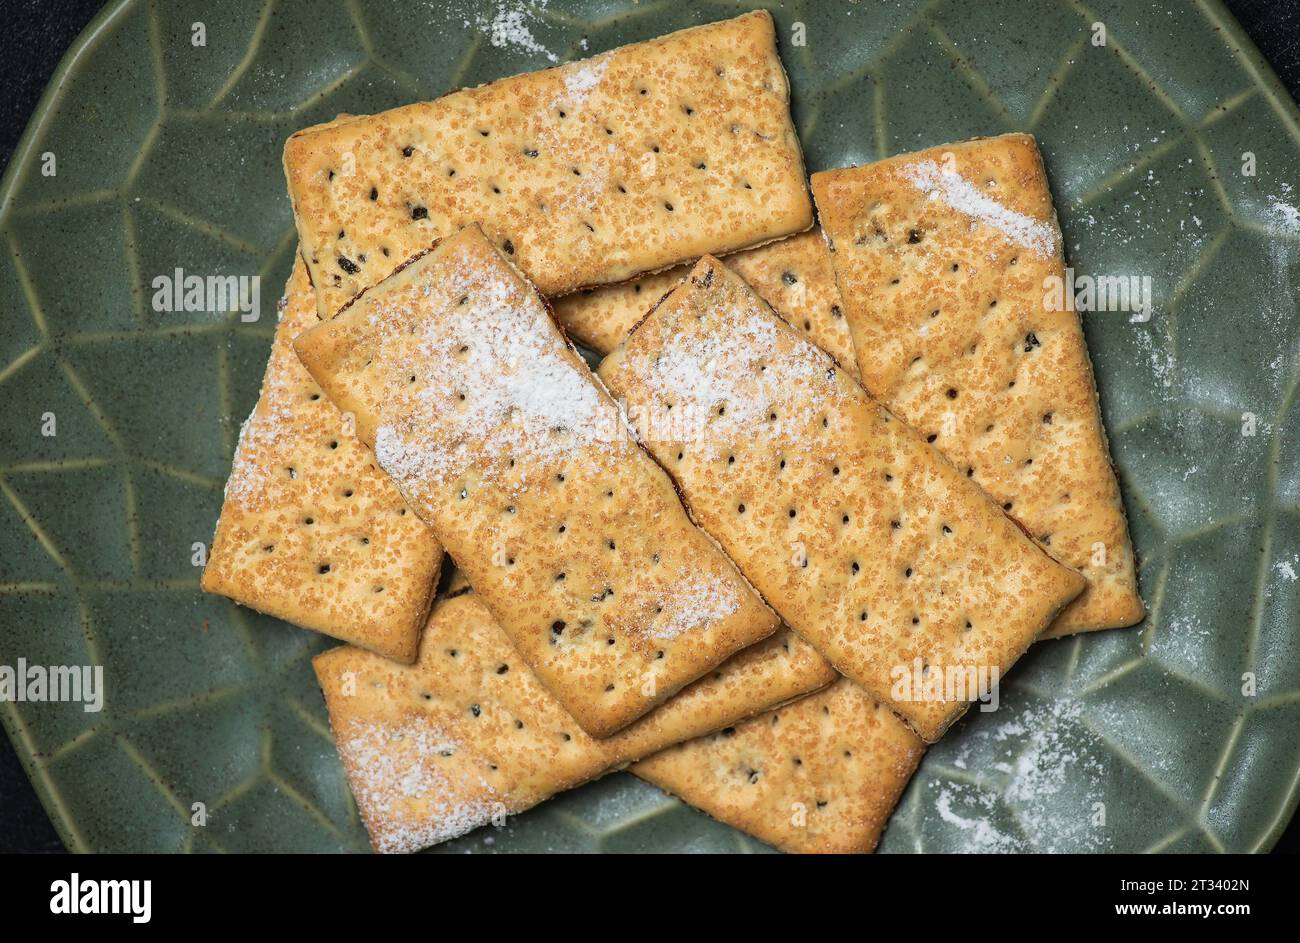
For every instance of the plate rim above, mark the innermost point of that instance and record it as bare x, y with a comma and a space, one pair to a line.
1234, 36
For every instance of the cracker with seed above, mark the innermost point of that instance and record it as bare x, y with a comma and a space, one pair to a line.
310, 529
821, 775
792, 275
498, 435
586, 174
468, 735
860, 535
944, 259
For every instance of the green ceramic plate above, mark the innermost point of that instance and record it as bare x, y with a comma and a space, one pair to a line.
1173, 154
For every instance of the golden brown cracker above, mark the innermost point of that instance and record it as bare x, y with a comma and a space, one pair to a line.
499, 436
793, 275
864, 539
775, 671
468, 734
586, 174
945, 260
310, 529
821, 775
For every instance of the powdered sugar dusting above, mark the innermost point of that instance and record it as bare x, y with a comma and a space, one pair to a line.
698, 599
980, 833
507, 27
581, 79
722, 384
1284, 214
505, 387
410, 795
958, 193
585, 77
1040, 792
250, 475
264, 433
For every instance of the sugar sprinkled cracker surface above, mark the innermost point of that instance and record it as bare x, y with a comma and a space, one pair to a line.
436, 749
864, 539
499, 436
586, 174
793, 275
944, 259
820, 775
310, 529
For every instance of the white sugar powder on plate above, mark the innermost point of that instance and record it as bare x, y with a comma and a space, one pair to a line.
507, 27
1043, 766
1286, 215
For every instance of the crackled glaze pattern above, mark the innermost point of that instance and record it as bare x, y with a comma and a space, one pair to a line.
168, 155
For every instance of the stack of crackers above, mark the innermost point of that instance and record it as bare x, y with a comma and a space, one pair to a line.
819, 475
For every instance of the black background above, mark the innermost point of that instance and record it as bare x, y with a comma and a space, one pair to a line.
34, 34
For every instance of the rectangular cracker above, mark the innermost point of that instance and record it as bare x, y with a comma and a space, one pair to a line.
781, 668
436, 749
942, 257
793, 275
498, 435
821, 775
860, 535
311, 531
587, 174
